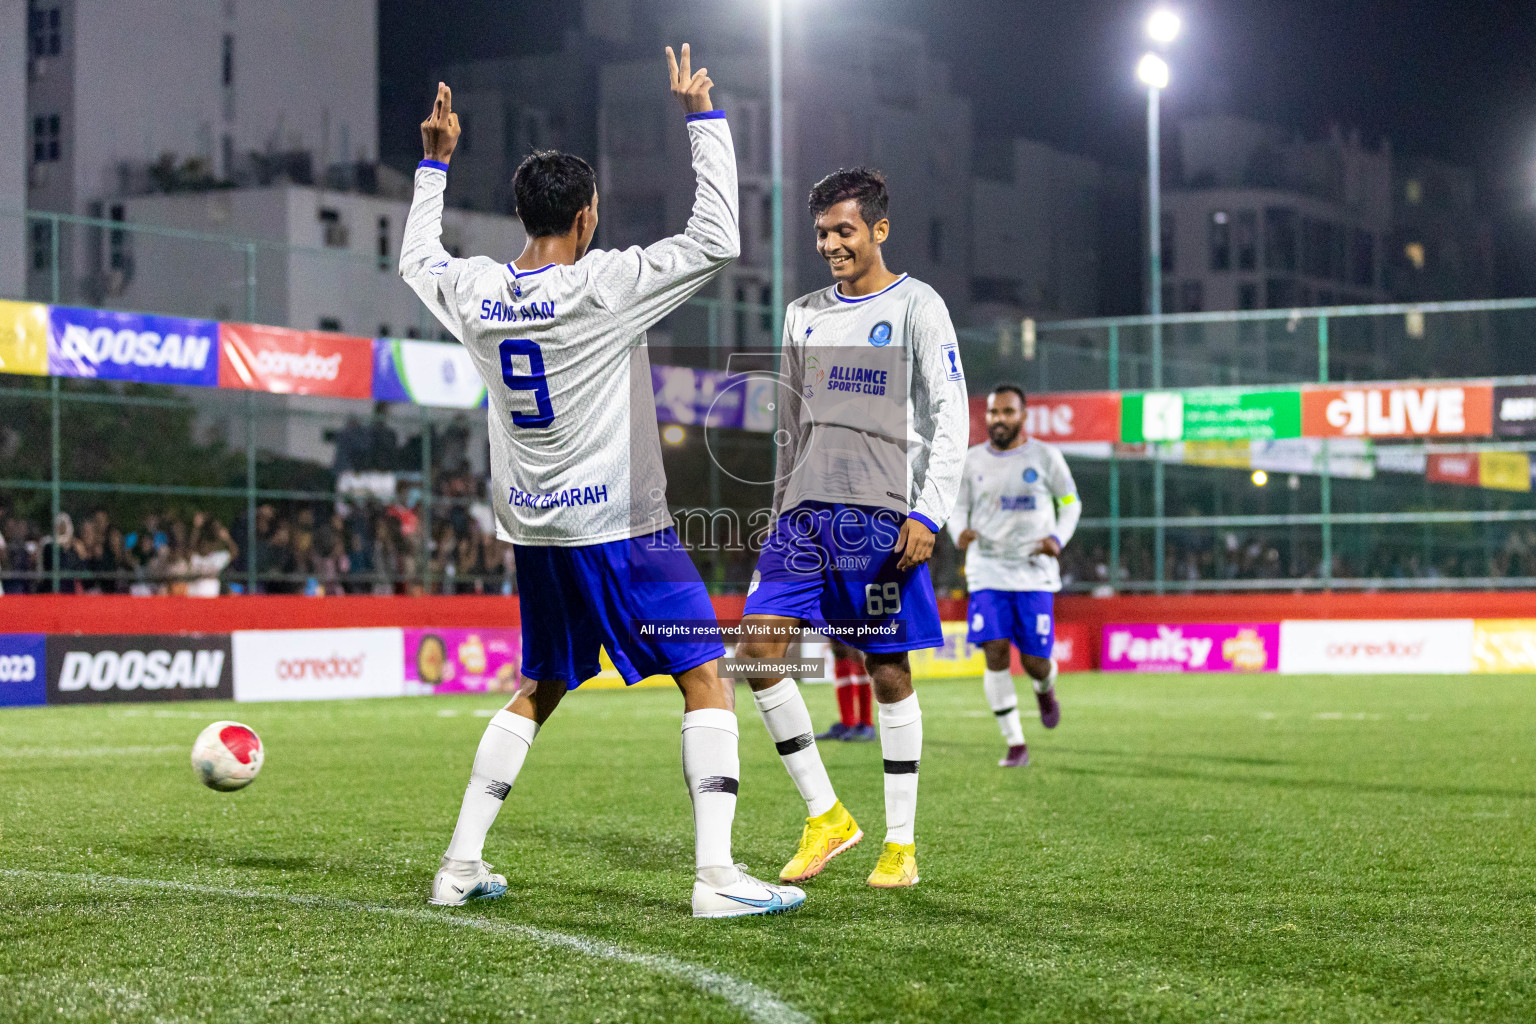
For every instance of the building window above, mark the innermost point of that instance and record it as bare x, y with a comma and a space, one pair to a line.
42, 245
1221, 241
1280, 293
1279, 239
1415, 253
385, 332
383, 243
1191, 297
1245, 236
1362, 259
43, 24
936, 241
333, 230
765, 318
45, 138
227, 61
330, 323
1165, 237
1248, 295
1167, 297
1413, 191
117, 239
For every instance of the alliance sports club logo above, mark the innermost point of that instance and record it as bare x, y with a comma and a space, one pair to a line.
880, 334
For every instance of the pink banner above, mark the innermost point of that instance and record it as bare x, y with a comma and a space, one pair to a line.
1191, 647
462, 660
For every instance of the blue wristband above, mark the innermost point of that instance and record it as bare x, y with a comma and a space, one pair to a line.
924, 520
436, 165
707, 115
1057, 540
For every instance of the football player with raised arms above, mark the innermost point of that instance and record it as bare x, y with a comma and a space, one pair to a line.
873, 421
558, 335
1018, 508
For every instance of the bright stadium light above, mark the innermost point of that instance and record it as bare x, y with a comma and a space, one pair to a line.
1163, 26
1153, 71
1260, 478
673, 434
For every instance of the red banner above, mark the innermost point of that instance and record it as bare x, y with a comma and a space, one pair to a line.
287, 362
1459, 468
1068, 416
1398, 410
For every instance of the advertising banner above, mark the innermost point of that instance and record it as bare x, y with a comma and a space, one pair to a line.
1452, 468
426, 373
23, 669
1398, 410
285, 362
1210, 416
1348, 457
462, 660
1504, 471
1514, 408
24, 338
318, 664
1070, 417
1504, 645
139, 667
957, 658
1191, 647
707, 397
132, 346
1363, 646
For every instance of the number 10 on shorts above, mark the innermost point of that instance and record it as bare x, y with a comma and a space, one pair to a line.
882, 598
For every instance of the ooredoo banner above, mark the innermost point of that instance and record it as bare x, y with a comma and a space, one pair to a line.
318, 664
287, 362
1362, 646
462, 660
427, 373
106, 668
1398, 410
132, 346
23, 669
1191, 647
1063, 417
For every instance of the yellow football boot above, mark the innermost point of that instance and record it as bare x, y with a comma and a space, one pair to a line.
825, 836
897, 867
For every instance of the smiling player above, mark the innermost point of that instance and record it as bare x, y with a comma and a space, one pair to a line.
872, 422
558, 335
1018, 508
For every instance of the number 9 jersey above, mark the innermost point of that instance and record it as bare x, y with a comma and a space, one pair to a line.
575, 454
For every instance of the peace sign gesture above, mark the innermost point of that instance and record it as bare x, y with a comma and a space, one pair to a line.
440, 131
690, 87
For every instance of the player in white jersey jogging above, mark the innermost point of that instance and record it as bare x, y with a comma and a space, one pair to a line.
558, 335
1018, 508
872, 423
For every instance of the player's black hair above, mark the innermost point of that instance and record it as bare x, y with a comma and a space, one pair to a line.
864, 184
550, 189
1011, 389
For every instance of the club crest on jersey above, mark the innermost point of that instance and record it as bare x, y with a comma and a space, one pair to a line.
1030, 476
880, 334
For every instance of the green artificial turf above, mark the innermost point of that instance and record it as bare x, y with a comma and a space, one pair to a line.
1183, 849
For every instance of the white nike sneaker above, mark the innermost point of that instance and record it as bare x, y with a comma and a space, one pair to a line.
742, 895
459, 881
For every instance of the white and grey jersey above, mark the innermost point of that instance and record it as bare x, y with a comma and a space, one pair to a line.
1015, 499
575, 456
875, 409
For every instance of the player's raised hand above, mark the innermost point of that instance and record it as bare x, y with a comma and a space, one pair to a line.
440, 131
915, 545
690, 87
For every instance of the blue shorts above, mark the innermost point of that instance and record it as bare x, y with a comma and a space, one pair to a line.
1026, 618
833, 566
575, 600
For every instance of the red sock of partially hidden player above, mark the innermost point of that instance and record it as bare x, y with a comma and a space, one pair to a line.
866, 696
845, 704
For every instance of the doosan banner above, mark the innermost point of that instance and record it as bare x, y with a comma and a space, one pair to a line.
1191, 647
132, 346
286, 362
137, 667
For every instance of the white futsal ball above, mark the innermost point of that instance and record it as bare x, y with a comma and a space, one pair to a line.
227, 755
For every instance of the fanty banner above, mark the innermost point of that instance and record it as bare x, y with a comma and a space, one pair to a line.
426, 373
23, 669
1191, 647
318, 664
95, 343
286, 362
462, 660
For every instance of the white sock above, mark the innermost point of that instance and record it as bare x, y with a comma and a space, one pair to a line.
497, 762
901, 744
1003, 699
789, 726
713, 771
1041, 685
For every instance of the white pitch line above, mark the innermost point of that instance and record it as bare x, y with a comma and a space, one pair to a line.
85, 751
758, 1004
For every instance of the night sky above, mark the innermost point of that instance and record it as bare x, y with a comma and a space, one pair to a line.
1454, 79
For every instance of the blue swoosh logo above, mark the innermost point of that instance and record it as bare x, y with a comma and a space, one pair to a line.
773, 901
